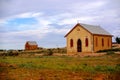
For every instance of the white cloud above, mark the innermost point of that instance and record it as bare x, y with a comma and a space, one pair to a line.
2, 21
94, 5
116, 32
58, 13
22, 35
21, 15
28, 15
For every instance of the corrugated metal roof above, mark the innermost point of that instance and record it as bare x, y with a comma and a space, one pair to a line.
92, 29
32, 42
95, 29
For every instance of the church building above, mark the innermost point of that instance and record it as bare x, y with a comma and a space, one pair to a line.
87, 38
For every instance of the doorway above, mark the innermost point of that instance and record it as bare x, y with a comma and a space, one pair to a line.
79, 46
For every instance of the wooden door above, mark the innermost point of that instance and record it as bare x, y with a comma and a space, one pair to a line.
79, 46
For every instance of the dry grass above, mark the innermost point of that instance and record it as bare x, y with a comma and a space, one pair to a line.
32, 67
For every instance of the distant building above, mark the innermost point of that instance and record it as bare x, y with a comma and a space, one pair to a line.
87, 38
31, 45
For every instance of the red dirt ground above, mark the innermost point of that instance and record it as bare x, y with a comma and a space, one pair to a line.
12, 72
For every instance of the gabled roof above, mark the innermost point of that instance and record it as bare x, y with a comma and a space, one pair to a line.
31, 42
95, 29
91, 29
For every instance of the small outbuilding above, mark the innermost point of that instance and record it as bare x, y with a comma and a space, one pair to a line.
87, 38
31, 45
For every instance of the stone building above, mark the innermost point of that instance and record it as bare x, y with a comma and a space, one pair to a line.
87, 38
31, 45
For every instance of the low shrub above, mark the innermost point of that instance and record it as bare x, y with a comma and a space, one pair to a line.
59, 50
27, 65
12, 53
1, 50
2, 54
49, 52
104, 68
117, 67
98, 68
109, 68
110, 52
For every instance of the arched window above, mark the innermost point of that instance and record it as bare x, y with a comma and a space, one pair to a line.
108, 42
71, 42
86, 42
96, 41
102, 42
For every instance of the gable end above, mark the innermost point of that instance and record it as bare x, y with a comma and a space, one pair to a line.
75, 27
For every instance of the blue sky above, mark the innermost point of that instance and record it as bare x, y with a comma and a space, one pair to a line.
47, 21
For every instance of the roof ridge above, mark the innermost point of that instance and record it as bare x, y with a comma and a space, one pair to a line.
94, 29
32, 42
90, 24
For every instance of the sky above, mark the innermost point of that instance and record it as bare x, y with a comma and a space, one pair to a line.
48, 21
